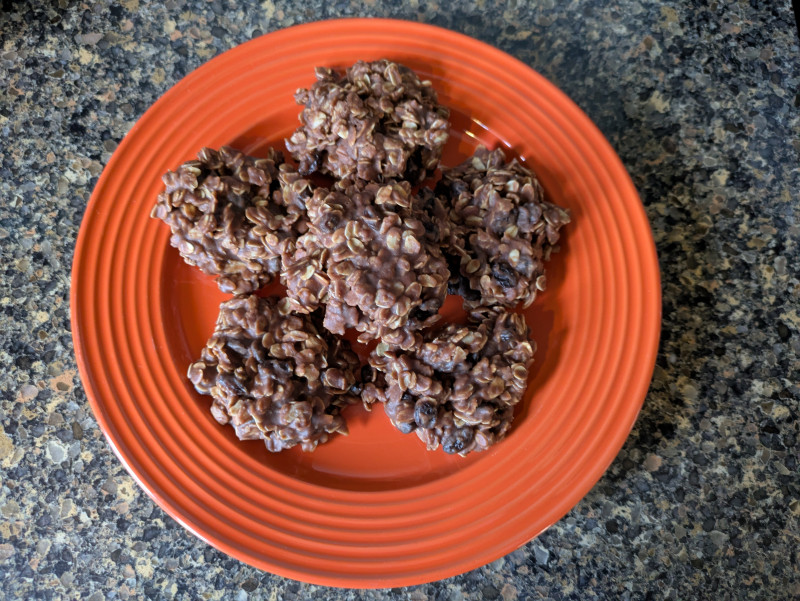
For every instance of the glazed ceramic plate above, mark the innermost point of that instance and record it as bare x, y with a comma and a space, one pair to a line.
373, 509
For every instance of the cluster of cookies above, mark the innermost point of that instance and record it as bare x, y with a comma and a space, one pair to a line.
367, 249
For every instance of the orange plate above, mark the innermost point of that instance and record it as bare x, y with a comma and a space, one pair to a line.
373, 509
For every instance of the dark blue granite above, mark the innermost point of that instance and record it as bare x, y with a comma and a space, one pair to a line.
701, 101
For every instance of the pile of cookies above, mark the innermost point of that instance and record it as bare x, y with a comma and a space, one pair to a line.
360, 244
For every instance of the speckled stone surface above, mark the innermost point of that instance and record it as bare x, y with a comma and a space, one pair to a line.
701, 101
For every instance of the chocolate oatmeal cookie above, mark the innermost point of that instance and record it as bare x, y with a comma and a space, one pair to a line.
502, 230
459, 386
276, 377
229, 215
368, 259
377, 121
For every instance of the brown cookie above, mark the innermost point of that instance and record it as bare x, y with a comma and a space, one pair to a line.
502, 231
459, 386
277, 377
376, 122
229, 216
368, 259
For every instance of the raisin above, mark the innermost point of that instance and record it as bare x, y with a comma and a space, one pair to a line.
456, 187
504, 274
425, 414
313, 165
431, 229
457, 441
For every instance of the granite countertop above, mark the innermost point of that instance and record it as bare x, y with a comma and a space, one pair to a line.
701, 101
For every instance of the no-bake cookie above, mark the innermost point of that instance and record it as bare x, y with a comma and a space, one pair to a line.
376, 121
277, 377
